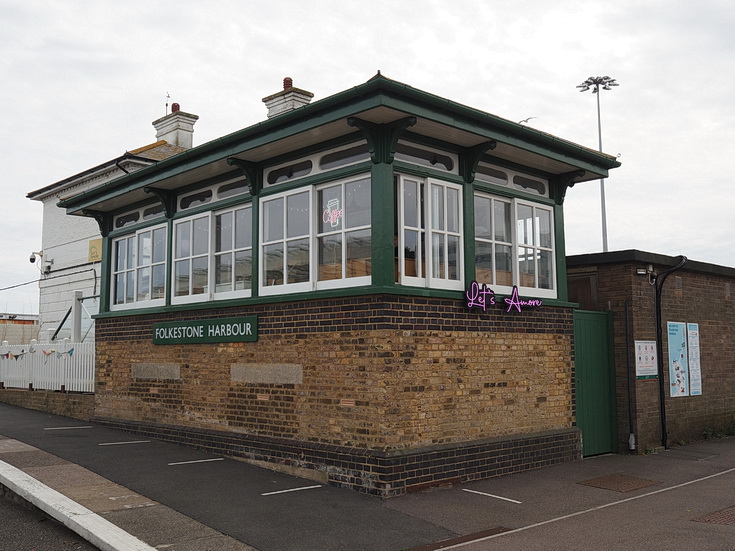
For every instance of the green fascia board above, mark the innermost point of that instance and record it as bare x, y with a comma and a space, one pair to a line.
379, 91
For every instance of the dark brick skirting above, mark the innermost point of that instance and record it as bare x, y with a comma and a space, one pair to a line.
374, 472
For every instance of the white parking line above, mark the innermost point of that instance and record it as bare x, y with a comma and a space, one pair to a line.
291, 490
124, 442
196, 461
590, 510
69, 428
491, 495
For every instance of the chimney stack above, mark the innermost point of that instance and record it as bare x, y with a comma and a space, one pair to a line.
288, 99
176, 128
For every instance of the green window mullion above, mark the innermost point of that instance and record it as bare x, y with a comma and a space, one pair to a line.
468, 211
255, 244
560, 252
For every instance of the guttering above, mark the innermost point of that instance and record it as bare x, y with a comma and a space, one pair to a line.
359, 96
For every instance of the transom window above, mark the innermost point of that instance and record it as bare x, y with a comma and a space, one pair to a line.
514, 245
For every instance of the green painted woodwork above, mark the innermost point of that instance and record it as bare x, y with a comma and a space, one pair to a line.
595, 381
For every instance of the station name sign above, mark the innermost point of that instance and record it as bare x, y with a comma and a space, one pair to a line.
244, 329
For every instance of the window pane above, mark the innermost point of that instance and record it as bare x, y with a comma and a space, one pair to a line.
453, 210
120, 254
273, 220
223, 272
527, 267
129, 286
330, 203
144, 249
437, 207
483, 227
201, 236
297, 221
501, 219
130, 262
243, 270
545, 270
410, 212
144, 282
525, 225
181, 281
298, 261
410, 247
453, 257
330, 257
199, 275
183, 239
158, 281
544, 228
438, 256
119, 288
484, 262
223, 232
503, 265
359, 253
357, 203
159, 245
243, 228
273, 264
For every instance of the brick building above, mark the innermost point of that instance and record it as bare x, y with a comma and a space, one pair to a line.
696, 294
370, 287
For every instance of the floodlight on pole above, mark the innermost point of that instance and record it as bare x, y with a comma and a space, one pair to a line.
594, 84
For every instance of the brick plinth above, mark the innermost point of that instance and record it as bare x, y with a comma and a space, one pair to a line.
380, 473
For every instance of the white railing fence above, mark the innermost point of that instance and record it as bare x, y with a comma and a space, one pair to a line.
60, 366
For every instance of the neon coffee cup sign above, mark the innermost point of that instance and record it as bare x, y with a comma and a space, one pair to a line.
479, 295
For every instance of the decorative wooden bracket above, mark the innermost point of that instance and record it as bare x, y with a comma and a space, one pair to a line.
167, 198
382, 139
103, 220
470, 158
562, 182
252, 172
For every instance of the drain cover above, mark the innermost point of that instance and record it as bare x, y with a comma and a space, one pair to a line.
725, 516
619, 482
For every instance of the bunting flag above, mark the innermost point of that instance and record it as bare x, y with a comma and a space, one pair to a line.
47, 353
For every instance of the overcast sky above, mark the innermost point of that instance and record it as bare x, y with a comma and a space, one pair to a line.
81, 82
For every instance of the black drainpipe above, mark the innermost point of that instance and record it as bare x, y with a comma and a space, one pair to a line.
630, 360
660, 280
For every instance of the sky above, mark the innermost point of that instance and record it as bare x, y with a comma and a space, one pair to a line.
81, 82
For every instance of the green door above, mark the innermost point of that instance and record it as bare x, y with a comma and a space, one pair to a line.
595, 381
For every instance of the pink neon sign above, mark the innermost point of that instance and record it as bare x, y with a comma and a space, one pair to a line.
332, 213
480, 296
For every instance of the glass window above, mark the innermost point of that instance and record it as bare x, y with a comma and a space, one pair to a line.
344, 157
139, 269
289, 172
426, 157
231, 189
196, 199
191, 258
286, 241
344, 247
233, 254
514, 245
429, 239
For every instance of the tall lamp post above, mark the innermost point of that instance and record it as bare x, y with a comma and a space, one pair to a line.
594, 84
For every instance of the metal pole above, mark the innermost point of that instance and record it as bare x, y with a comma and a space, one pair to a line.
602, 180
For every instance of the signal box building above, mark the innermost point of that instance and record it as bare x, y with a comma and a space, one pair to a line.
370, 289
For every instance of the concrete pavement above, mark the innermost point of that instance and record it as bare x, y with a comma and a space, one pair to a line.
133, 494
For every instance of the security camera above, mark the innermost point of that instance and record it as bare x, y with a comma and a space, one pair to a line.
32, 258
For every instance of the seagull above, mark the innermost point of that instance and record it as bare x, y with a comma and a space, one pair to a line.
526, 120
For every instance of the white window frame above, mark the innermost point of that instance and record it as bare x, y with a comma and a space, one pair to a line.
285, 287
210, 292
190, 257
136, 267
426, 229
343, 281
534, 245
233, 251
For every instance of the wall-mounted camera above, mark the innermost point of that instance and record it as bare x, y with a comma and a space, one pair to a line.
38, 254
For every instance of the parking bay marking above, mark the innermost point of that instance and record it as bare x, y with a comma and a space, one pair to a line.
124, 442
291, 490
491, 495
69, 428
196, 461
